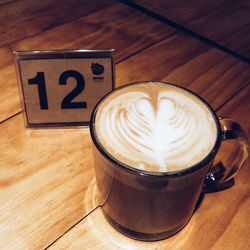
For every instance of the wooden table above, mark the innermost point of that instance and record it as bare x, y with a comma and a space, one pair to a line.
47, 184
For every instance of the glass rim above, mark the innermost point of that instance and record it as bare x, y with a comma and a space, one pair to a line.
194, 167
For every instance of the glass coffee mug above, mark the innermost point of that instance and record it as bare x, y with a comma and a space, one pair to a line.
155, 149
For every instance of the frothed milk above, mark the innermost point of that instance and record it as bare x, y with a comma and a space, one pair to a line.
155, 127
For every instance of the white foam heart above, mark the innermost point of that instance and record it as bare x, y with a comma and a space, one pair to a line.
164, 132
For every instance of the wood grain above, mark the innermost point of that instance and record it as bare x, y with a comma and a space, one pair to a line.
9, 95
221, 221
5, 1
95, 31
47, 180
26, 18
238, 108
46, 183
52, 172
182, 55
226, 22
180, 59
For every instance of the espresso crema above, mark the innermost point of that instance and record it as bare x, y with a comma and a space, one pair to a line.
155, 127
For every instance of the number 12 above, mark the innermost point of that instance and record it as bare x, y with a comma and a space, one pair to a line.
67, 102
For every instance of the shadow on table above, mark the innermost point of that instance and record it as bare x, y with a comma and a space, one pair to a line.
213, 189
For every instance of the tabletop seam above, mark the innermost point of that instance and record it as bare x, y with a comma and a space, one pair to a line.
71, 227
185, 30
234, 95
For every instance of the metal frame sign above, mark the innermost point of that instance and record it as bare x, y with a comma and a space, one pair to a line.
61, 88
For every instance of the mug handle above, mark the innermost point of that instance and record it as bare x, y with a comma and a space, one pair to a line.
232, 154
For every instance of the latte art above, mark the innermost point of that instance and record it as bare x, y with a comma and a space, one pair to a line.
155, 127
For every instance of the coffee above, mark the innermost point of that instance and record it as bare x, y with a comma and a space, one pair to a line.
155, 127
154, 145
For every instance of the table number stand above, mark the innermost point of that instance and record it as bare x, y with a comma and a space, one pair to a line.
61, 88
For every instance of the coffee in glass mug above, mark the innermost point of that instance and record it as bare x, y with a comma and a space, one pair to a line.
154, 145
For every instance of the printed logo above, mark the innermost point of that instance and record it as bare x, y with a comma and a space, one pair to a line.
97, 69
